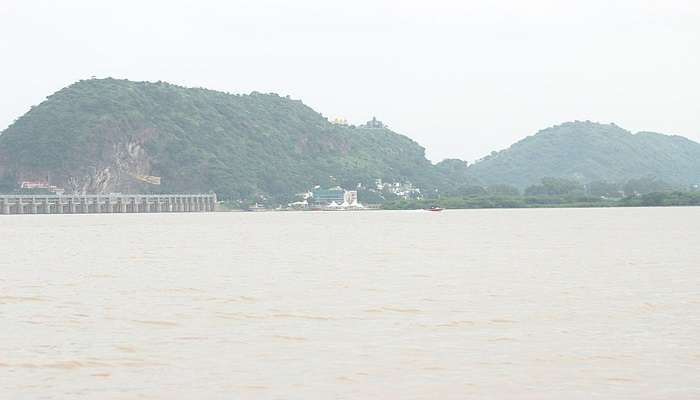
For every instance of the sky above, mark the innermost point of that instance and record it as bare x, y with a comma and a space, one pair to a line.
462, 78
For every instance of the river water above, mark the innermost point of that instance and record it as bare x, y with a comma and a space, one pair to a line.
511, 304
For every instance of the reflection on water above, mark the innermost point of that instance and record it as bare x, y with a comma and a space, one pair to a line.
524, 304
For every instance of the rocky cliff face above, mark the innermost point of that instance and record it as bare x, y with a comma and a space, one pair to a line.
111, 165
119, 170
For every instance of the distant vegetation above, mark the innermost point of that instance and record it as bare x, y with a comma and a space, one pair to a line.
647, 200
591, 152
558, 192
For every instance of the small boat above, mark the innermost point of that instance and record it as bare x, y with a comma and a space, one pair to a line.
434, 208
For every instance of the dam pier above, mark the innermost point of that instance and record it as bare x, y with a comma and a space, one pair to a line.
106, 204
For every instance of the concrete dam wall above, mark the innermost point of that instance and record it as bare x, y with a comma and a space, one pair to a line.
114, 203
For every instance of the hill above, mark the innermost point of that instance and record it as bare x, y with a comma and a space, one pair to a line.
588, 152
108, 135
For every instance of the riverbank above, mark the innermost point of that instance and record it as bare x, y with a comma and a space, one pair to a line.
658, 199
666, 199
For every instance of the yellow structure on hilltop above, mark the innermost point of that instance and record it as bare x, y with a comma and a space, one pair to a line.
339, 121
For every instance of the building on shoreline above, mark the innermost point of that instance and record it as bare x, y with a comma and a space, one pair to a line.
350, 198
334, 198
325, 197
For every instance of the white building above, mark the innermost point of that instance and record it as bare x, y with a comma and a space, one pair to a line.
350, 197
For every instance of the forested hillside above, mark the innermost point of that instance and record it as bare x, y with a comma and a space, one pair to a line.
101, 135
588, 152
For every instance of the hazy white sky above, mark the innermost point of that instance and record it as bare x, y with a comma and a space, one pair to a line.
460, 77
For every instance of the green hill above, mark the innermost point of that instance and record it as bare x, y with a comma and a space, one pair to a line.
106, 135
587, 152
